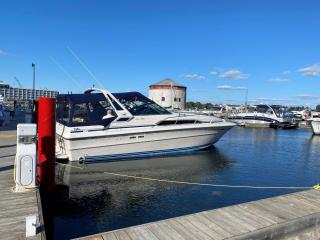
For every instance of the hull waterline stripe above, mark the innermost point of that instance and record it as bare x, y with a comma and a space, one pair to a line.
146, 154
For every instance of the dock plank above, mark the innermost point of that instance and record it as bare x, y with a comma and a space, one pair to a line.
263, 219
14, 207
201, 218
203, 227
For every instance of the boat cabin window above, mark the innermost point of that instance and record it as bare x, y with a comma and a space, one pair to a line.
263, 109
74, 110
174, 122
80, 114
137, 104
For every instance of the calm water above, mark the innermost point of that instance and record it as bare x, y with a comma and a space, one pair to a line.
99, 202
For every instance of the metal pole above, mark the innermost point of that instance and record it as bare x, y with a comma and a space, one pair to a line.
34, 81
246, 97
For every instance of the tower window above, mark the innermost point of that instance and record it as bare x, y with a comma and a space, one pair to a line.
175, 99
179, 99
163, 99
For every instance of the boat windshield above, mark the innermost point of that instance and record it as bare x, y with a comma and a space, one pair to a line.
264, 109
137, 104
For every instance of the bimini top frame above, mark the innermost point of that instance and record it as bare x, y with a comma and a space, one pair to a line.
120, 110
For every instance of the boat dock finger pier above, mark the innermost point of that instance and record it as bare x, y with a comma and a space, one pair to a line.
15, 207
293, 216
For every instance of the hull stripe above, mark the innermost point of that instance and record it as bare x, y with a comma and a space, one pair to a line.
146, 154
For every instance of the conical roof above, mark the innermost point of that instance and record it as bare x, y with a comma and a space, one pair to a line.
167, 82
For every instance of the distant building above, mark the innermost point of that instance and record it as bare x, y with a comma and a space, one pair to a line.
9, 93
169, 94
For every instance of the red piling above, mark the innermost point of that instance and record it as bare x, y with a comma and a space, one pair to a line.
46, 143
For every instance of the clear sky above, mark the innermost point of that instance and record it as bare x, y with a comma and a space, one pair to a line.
215, 48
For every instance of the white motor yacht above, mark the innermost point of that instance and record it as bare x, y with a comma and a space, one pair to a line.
314, 120
99, 125
264, 116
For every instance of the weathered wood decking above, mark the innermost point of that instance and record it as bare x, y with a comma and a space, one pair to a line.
292, 216
14, 207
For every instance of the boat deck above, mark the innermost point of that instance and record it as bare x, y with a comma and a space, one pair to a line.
292, 216
14, 207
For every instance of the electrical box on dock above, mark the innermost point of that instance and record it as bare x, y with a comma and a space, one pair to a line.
26, 157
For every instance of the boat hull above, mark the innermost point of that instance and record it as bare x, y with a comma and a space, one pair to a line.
261, 121
142, 144
315, 125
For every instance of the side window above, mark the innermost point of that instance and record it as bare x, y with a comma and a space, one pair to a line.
62, 111
163, 99
80, 114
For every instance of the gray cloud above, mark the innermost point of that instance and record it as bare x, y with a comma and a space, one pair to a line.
228, 87
273, 99
311, 71
278, 80
307, 97
234, 74
194, 76
3, 53
214, 72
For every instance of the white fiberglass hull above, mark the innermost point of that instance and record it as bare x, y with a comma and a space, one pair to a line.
148, 141
315, 125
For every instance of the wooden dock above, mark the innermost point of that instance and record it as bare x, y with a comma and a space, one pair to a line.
15, 207
293, 216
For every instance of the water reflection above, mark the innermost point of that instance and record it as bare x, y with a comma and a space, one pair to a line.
112, 201
99, 202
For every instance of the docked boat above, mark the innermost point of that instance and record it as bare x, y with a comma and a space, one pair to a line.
264, 116
314, 121
99, 125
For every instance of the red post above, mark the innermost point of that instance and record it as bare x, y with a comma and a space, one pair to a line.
46, 143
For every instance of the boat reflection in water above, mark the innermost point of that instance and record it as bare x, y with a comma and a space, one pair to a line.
101, 202
244, 156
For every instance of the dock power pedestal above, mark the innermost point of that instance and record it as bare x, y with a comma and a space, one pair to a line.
26, 157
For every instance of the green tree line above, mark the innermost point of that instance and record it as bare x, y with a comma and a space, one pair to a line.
199, 105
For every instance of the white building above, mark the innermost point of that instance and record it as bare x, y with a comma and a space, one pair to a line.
9, 93
169, 94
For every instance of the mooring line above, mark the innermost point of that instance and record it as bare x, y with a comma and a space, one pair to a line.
209, 184
317, 187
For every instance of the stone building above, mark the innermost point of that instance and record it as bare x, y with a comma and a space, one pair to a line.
169, 94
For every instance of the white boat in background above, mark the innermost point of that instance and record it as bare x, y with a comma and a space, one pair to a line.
314, 121
264, 116
315, 125
99, 125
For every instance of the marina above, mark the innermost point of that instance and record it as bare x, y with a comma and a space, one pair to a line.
101, 202
160, 120
137, 198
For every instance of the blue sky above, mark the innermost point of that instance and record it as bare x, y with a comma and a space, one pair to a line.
215, 48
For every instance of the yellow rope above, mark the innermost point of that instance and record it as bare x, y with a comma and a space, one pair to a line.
209, 184
200, 184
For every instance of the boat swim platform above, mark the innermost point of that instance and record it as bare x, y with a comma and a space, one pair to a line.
292, 216
15, 207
